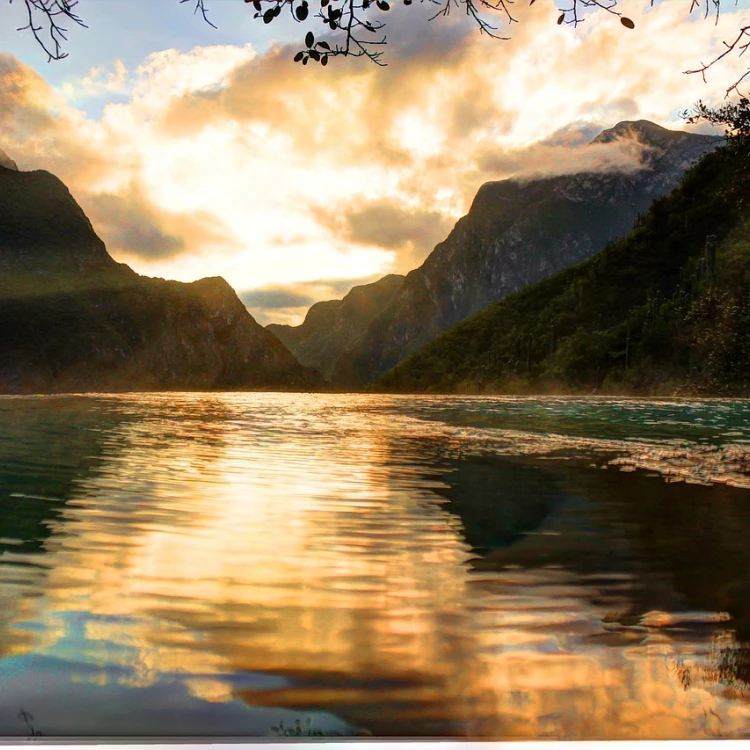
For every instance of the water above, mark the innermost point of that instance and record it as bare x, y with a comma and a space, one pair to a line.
215, 564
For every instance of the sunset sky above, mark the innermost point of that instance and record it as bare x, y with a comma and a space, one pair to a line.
207, 152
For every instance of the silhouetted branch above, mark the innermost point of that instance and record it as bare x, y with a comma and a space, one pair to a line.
44, 18
739, 45
200, 7
475, 10
359, 28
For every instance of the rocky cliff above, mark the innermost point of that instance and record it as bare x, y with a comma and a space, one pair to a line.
664, 310
76, 320
6, 161
331, 328
516, 233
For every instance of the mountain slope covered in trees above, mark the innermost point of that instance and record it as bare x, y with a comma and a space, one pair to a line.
517, 233
666, 309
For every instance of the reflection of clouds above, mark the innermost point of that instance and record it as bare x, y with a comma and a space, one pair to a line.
565, 681
299, 536
244, 557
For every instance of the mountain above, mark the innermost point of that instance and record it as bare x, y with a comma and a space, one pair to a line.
331, 328
664, 310
76, 320
6, 161
516, 233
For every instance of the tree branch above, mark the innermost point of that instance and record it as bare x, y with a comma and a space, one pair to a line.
44, 18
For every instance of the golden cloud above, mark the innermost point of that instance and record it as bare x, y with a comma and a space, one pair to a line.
131, 225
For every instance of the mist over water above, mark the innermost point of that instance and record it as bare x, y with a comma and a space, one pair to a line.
213, 564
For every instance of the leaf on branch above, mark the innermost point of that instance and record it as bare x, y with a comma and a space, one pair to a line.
309, 39
324, 61
324, 45
268, 16
627, 23
301, 12
315, 55
561, 19
382, 4
299, 56
532, 2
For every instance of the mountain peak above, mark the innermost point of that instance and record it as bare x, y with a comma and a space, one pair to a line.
644, 131
6, 161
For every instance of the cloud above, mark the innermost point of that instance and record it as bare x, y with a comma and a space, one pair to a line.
98, 82
410, 231
388, 224
547, 159
276, 297
288, 304
132, 226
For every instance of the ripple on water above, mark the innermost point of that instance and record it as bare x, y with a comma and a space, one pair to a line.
408, 564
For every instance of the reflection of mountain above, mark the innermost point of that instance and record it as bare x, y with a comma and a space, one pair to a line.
309, 554
695, 537
682, 548
47, 448
499, 501
584, 520
75, 320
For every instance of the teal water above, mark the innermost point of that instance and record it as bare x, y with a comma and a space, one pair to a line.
215, 564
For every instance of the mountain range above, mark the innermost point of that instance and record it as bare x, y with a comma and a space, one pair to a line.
664, 310
517, 232
76, 320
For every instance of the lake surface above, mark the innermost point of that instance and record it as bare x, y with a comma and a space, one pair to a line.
215, 564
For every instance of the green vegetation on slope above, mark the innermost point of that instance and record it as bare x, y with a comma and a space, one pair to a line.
665, 308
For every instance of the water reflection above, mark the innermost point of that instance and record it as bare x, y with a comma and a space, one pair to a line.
229, 557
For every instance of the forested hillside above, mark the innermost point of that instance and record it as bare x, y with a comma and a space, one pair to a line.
664, 310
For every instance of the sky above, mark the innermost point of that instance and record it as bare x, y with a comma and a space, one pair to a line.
208, 152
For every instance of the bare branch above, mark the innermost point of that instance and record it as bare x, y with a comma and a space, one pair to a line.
739, 45
44, 18
200, 7
361, 31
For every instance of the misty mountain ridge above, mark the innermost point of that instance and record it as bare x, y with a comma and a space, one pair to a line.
76, 320
517, 232
665, 310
